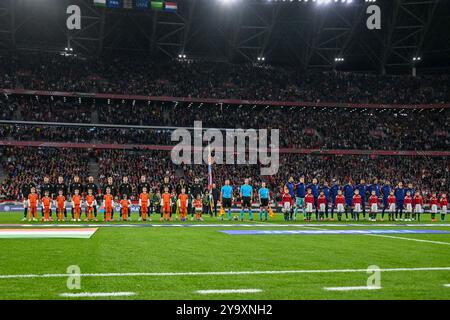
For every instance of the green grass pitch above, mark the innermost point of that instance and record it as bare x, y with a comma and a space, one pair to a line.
182, 260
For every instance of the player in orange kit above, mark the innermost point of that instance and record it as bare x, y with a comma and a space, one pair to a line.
144, 203
124, 207
46, 203
33, 201
60, 205
165, 204
183, 204
76, 205
108, 201
90, 205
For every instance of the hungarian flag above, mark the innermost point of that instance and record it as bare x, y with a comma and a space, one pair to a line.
100, 3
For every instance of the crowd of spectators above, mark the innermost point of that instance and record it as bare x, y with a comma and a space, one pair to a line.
134, 75
327, 128
32, 164
426, 173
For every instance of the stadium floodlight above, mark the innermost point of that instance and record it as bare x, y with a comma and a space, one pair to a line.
227, 1
338, 59
417, 59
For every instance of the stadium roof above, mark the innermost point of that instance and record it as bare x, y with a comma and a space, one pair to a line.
301, 33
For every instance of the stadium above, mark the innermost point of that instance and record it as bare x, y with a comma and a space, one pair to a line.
224, 150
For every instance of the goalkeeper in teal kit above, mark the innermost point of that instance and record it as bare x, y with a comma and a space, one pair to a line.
246, 193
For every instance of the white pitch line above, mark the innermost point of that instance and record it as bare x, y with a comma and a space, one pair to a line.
96, 294
447, 285
409, 239
213, 273
237, 225
351, 288
228, 291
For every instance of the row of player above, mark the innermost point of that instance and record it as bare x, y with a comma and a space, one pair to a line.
411, 204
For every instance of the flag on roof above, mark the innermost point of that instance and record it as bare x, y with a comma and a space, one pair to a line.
170, 7
157, 5
100, 3
128, 4
141, 4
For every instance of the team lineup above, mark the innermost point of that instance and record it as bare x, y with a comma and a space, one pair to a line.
175, 202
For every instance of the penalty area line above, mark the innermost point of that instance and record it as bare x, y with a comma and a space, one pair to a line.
223, 291
351, 288
213, 273
408, 239
96, 294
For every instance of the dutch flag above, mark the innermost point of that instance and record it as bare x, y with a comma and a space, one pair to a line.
170, 7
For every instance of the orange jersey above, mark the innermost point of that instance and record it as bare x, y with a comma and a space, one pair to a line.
76, 200
183, 198
124, 203
46, 201
108, 200
144, 198
90, 200
166, 199
60, 201
33, 198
